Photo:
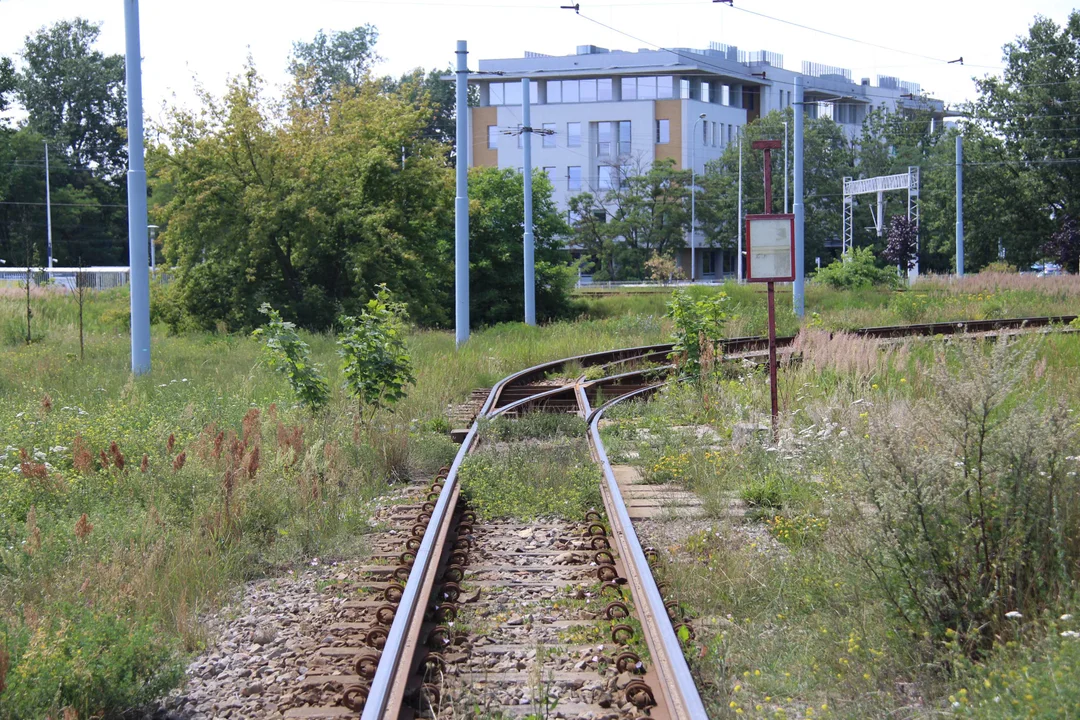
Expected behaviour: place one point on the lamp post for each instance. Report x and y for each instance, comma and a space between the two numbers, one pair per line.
693, 194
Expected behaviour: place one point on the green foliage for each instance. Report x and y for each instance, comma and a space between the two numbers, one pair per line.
699, 322
999, 266
975, 498
855, 271
335, 63
496, 216
290, 356
88, 660
537, 426
376, 363
527, 482
7, 81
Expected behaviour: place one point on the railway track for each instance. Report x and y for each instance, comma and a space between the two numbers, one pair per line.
529, 586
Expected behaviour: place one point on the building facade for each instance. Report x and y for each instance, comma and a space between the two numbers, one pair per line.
604, 112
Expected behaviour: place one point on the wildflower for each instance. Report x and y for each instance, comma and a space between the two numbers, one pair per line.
1070, 634
1013, 615
1066, 617
178, 463
83, 527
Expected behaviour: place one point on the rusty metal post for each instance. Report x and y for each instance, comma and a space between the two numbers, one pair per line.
768, 146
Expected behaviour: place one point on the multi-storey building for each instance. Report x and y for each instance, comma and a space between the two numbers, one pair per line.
607, 110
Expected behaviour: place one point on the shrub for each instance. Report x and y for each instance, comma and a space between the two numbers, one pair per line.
999, 266
289, 355
975, 498
698, 323
376, 361
88, 660
856, 270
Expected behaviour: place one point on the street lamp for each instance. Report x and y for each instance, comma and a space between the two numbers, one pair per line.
693, 194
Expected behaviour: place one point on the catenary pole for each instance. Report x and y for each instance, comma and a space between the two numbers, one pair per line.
48, 208
798, 288
959, 205
530, 267
739, 258
138, 260
786, 173
461, 202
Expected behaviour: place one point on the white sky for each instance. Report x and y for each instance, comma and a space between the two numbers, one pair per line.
209, 39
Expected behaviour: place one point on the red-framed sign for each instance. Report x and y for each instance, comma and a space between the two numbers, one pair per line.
770, 248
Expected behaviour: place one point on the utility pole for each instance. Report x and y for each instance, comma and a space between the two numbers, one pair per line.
138, 263
959, 205
798, 289
693, 195
48, 209
461, 202
530, 267
785, 167
739, 255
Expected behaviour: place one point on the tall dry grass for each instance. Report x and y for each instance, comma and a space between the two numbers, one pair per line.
984, 282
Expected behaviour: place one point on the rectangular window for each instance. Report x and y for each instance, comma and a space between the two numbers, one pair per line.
571, 91
715, 134
604, 131
549, 137
706, 91
707, 266
512, 93
495, 94
624, 137
493, 137
629, 88
588, 90
663, 132
551, 174
554, 91
665, 87
729, 134
607, 177
705, 133
603, 89
684, 89
573, 177
646, 88
573, 134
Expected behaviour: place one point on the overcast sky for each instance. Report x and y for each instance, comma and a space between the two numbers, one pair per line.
209, 39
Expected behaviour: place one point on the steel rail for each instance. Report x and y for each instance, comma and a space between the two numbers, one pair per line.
676, 682
388, 685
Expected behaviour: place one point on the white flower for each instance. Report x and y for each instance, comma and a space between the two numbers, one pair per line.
1066, 617
19, 415
57, 449
1013, 615
1070, 634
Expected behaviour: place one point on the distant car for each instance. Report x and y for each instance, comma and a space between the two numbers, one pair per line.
1045, 269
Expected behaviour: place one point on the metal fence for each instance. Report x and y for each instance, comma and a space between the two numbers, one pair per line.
98, 277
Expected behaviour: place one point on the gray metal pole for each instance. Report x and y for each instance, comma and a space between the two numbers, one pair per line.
959, 205
461, 202
798, 290
530, 267
48, 208
138, 262
693, 197
739, 258
786, 173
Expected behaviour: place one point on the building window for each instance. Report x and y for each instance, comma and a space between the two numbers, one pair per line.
554, 91
573, 134
603, 89
707, 262
509, 93
604, 131
629, 88
549, 137
573, 177
587, 89
663, 132
613, 137
665, 87
705, 132
684, 89
495, 94
646, 88
624, 137
706, 94
493, 137
600, 215
571, 91
550, 171
512, 93
607, 177
715, 134
729, 134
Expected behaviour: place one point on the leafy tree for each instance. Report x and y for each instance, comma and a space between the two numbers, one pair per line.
427, 89
902, 237
301, 207
649, 211
377, 365
496, 227
75, 95
663, 269
1063, 247
7, 81
289, 355
828, 158
330, 62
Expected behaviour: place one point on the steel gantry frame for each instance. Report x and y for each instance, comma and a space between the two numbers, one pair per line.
909, 181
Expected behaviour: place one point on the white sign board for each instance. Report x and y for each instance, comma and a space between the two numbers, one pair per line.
770, 248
